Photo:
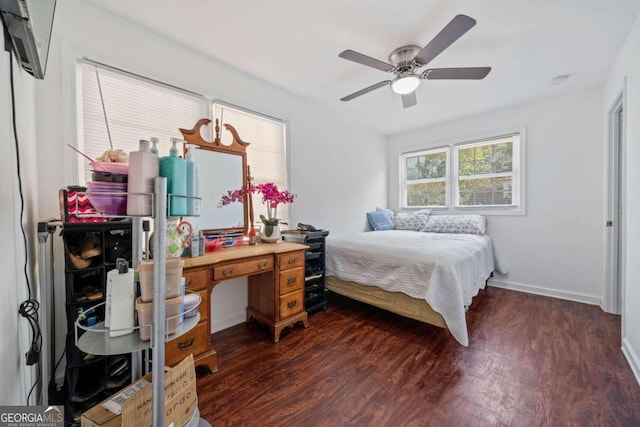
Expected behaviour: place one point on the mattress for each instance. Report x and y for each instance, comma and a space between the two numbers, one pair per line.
446, 270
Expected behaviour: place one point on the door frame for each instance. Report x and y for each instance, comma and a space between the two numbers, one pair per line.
615, 255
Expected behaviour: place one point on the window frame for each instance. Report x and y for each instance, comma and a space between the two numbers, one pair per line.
514, 174
403, 176
519, 173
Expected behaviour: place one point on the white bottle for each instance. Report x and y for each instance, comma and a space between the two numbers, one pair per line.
194, 247
143, 168
193, 184
120, 299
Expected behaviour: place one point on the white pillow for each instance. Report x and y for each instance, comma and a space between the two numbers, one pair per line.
415, 221
470, 224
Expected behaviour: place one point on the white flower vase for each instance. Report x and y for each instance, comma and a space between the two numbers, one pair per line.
271, 233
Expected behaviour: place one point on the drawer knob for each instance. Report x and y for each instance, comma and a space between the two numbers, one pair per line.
228, 272
189, 283
262, 265
292, 304
185, 344
291, 280
291, 261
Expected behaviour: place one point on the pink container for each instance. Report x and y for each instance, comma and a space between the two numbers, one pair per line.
145, 316
173, 278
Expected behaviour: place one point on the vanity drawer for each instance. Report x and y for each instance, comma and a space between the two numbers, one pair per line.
195, 341
291, 260
243, 268
291, 304
291, 280
195, 280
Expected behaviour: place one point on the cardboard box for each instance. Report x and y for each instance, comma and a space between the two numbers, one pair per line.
136, 404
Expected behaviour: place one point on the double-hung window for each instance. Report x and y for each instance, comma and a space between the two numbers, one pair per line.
486, 176
487, 173
425, 178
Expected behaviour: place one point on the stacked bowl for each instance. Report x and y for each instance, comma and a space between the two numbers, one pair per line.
108, 190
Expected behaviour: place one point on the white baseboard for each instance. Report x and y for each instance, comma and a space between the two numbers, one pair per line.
547, 292
632, 358
220, 324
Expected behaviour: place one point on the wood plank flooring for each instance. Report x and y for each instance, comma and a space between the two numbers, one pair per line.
532, 361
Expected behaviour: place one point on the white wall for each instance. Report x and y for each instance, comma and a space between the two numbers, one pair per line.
627, 67
337, 170
556, 248
16, 377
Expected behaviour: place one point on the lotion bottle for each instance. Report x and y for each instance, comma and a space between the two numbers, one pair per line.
174, 169
193, 185
143, 168
120, 299
154, 145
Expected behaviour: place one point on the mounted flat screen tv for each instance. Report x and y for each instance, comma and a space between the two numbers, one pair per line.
28, 25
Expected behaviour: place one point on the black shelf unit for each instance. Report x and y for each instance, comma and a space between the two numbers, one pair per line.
89, 379
315, 293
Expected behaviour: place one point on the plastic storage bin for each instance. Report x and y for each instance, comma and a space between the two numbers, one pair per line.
191, 304
145, 316
173, 278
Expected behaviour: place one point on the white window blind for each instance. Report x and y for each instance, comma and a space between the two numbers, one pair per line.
266, 154
136, 109
487, 172
425, 178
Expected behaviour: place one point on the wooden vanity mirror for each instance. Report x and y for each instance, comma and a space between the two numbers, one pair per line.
221, 168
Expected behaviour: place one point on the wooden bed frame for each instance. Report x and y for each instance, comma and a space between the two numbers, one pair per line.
395, 302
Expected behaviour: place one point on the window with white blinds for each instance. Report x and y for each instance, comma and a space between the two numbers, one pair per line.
487, 172
137, 108
266, 154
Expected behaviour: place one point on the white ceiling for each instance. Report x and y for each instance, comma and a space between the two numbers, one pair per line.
295, 45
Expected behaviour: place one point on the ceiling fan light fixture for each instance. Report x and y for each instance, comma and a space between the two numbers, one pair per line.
405, 84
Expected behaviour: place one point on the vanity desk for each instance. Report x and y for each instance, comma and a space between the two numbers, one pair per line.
276, 292
275, 270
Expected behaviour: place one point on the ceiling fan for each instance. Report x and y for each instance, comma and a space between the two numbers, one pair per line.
406, 60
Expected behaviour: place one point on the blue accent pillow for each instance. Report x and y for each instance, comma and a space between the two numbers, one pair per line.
380, 220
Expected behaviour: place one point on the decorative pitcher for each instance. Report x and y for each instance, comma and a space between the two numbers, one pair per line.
177, 235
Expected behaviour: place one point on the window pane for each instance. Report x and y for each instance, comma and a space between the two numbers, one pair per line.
485, 191
426, 166
485, 159
426, 194
266, 155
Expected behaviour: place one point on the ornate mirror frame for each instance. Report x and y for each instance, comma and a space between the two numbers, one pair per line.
238, 148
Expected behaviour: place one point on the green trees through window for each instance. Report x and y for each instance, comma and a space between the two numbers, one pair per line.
484, 173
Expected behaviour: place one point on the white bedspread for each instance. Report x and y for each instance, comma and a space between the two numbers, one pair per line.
446, 270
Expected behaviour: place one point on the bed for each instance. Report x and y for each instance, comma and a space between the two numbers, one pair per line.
430, 277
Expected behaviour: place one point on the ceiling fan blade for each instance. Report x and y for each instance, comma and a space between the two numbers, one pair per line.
354, 56
365, 90
445, 38
409, 99
469, 73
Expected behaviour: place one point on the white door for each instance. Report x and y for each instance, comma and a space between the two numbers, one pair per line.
615, 223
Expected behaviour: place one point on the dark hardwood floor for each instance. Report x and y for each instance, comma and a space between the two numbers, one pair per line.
532, 361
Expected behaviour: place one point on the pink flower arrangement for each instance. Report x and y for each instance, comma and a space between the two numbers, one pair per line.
271, 197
